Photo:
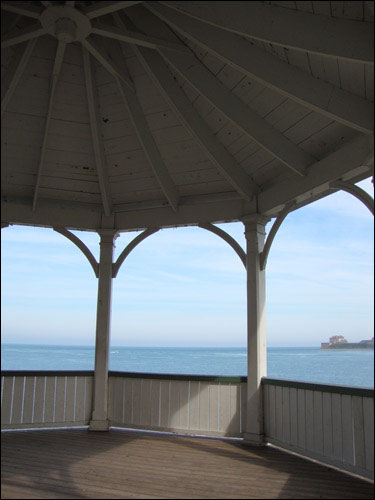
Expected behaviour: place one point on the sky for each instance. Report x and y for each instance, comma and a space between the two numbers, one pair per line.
187, 287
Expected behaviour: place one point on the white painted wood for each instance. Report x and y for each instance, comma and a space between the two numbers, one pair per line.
247, 120
269, 70
293, 416
356, 191
79, 243
214, 150
11, 81
144, 134
270, 23
334, 428
22, 35
271, 235
318, 422
99, 420
351, 155
93, 47
226, 237
124, 35
368, 417
103, 8
100, 160
256, 330
327, 424
23, 8
358, 432
54, 80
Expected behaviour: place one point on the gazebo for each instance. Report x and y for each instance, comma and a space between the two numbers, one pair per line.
136, 116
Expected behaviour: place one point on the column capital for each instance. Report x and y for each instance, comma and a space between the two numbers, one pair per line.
107, 236
255, 222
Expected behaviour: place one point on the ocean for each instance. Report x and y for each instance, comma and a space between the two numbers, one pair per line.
307, 364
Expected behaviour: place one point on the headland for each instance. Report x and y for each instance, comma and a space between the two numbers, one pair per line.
340, 342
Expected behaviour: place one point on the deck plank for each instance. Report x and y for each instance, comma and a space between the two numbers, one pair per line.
76, 463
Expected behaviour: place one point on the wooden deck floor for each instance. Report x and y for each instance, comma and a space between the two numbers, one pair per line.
81, 464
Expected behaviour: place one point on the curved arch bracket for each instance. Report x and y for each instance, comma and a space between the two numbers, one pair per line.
275, 227
356, 191
226, 237
116, 266
73, 238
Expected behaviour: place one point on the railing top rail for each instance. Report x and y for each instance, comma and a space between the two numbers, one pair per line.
47, 373
172, 376
311, 386
155, 376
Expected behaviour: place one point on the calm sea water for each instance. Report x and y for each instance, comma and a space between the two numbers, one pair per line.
309, 364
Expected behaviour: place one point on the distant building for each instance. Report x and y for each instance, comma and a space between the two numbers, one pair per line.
337, 339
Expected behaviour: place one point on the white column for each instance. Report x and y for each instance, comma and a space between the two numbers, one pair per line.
99, 421
256, 328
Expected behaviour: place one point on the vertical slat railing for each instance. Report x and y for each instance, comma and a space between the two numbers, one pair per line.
188, 404
333, 424
45, 399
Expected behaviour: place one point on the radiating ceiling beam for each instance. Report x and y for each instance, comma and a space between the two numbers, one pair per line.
103, 8
352, 156
201, 78
295, 29
100, 162
143, 131
103, 58
55, 76
23, 8
124, 35
22, 35
317, 95
211, 146
11, 81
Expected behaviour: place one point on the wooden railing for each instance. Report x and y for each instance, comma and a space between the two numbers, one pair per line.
188, 404
45, 399
332, 424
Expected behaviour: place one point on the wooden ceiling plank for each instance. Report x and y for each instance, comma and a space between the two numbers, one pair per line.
323, 97
212, 147
124, 35
143, 131
290, 28
55, 75
196, 74
12, 82
103, 58
24, 8
100, 161
104, 8
23, 35
356, 154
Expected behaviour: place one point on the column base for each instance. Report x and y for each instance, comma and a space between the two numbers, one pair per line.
99, 425
254, 439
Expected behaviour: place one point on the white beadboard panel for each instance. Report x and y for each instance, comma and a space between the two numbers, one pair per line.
196, 407
329, 426
352, 77
43, 401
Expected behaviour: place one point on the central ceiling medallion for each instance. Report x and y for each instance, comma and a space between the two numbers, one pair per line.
66, 23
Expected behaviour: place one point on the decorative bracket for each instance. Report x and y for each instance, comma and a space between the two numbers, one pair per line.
275, 227
72, 237
116, 266
356, 191
226, 237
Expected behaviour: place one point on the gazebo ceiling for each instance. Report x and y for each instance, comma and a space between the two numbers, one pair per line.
139, 114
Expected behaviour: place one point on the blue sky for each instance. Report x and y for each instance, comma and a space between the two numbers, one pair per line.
187, 287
